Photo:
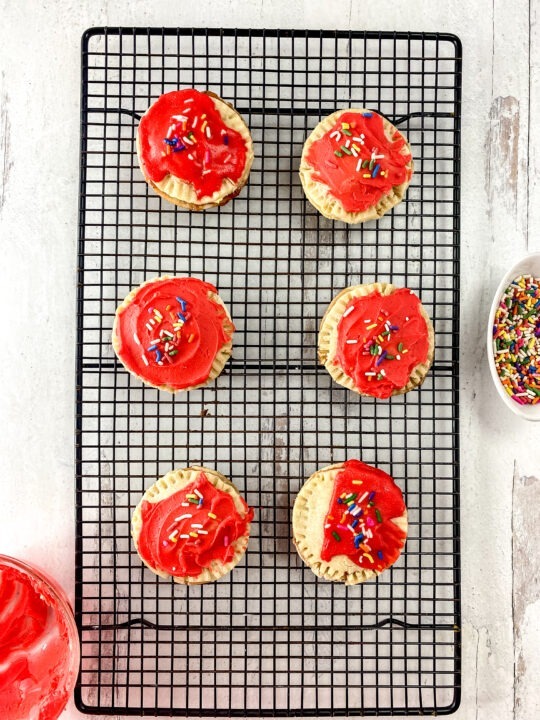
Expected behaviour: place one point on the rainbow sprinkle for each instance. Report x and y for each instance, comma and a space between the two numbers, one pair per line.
354, 521
375, 345
165, 340
179, 137
191, 530
354, 150
516, 340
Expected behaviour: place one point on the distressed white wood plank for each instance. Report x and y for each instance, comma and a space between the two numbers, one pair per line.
513, 177
6, 161
494, 233
533, 230
526, 594
507, 140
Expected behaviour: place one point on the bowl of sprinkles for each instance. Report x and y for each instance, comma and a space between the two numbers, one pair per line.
513, 338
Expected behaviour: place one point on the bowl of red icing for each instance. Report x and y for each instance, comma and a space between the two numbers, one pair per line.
39, 644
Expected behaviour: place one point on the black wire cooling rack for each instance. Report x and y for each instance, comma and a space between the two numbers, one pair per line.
269, 639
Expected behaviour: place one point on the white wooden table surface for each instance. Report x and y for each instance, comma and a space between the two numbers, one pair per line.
39, 135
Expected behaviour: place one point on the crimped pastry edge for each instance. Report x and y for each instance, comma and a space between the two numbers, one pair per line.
309, 511
328, 335
171, 483
224, 353
181, 193
318, 193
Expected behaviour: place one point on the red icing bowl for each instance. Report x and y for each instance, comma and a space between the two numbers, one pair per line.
39, 644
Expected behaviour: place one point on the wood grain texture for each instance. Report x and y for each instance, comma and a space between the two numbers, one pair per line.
39, 80
5, 146
533, 139
526, 594
502, 149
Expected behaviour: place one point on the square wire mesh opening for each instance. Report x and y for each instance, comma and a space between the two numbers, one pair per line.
269, 638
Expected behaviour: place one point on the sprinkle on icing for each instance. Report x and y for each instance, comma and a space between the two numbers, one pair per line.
183, 134
359, 522
171, 331
380, 356
186, 544
358, 162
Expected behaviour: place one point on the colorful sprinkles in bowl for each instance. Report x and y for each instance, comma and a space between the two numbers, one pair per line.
516, 340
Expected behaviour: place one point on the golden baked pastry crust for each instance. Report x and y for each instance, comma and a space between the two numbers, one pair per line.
309, 513
181, 193
171, 483
328, 336
220, 360
318, 193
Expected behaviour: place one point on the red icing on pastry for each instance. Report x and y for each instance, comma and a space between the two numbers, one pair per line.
362, 135
186, 532
381, 340
38, 647
364, 501
182, 134
171, 332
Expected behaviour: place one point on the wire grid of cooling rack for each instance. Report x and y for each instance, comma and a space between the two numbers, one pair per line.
270, 638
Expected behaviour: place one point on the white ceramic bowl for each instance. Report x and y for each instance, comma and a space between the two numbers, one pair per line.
529, 265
